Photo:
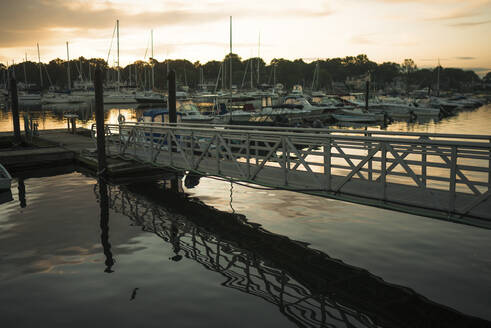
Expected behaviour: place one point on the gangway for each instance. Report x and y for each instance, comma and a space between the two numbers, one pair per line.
445, 176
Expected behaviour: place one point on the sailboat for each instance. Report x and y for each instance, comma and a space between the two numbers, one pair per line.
118, 96
63, 98
151, 97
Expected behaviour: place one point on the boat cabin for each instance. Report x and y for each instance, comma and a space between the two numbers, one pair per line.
158, 116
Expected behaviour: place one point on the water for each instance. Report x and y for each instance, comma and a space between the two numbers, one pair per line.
51, 117
159, 259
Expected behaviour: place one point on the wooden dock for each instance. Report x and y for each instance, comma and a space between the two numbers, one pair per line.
60, 147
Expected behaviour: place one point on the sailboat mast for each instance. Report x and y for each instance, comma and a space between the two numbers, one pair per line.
258, 57
153, 73
117, 30
230, 53
40, 68
68, 67
274, 77
25, 73
223, 75
438, 79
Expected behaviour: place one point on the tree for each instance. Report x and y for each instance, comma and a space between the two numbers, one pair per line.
408, 66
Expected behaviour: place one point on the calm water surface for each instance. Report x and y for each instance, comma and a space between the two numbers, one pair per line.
154, 260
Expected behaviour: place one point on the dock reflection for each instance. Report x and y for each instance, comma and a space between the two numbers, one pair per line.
104, 223
308, 287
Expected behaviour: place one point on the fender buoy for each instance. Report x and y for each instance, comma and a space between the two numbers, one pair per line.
121, 119
412, 116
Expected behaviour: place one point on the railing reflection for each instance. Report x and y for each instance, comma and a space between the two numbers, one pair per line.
309, 288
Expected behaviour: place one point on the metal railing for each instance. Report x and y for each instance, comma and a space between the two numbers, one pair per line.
441, 175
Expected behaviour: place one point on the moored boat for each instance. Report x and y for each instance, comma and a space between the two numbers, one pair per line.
5, 178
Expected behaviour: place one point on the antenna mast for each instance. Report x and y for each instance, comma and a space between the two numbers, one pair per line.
68, 67
40, 68
153, 73
230, 54
258, 57
117, 30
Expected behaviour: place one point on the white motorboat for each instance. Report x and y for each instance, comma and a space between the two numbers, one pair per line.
356, 115
119, 98
190, 113
5, 178
53, 98
29, 98
151, 98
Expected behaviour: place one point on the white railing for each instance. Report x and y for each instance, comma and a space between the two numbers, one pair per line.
442, 175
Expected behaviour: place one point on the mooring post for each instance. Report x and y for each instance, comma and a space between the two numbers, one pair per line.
99, 118
171, 99
367, 90
15, 110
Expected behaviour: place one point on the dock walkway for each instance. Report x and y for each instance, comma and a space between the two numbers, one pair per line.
437, 175
59, 147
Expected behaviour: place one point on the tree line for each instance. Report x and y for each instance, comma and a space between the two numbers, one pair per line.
320, 74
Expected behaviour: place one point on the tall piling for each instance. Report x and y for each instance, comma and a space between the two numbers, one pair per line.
171, 99
15, 110
367, 93
99, 118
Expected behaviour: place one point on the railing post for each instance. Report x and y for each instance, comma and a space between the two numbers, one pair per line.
327, 164
120, 138
423, 162
169, 145
489, 168
151, 144
370, 161
192, 149
383, 170
248, 156
217, 141
453, 171
285, 169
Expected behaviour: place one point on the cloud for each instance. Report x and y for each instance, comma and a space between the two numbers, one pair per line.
463, 9
465, 58
50, 20
363, 39
468, 24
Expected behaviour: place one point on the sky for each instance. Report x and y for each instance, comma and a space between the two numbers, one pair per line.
456, 32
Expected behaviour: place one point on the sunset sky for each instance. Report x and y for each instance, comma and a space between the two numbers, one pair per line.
458, 32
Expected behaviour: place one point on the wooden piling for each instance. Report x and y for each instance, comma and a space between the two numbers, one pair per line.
367, 92
15, 110
171, 99
99, 118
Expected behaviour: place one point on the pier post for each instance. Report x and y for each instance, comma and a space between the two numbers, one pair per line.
99, 118
367, 91
171, 99
15, 110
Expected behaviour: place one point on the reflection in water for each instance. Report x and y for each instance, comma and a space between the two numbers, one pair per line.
308, 287
231, 196
51, 117
104, 223
133, 294
21, 187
